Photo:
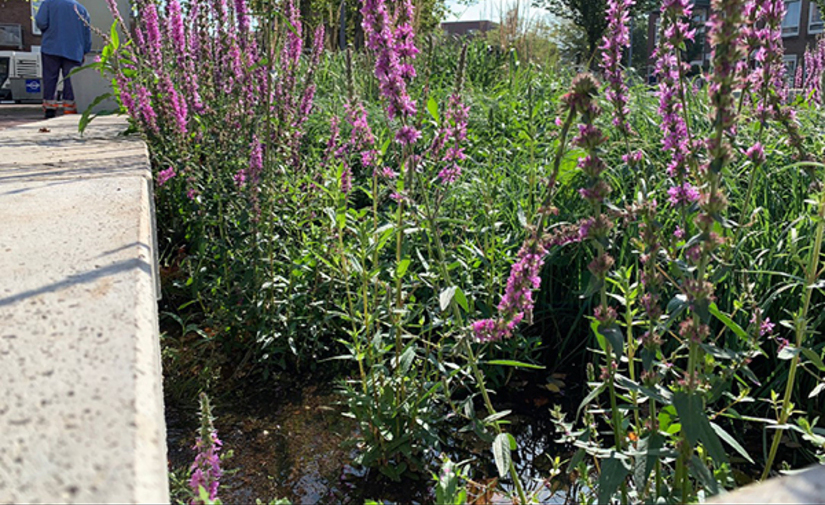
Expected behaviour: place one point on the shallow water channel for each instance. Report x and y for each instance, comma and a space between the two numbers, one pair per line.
297, 449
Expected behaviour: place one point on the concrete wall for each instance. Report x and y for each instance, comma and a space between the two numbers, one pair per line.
102, 19
81, 404
804, 487
88, 84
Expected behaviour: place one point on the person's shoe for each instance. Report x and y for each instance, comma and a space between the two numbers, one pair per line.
49, 109
69, 108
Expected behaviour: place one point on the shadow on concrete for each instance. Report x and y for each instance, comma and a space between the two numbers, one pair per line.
123, 248
111, 166
73, 280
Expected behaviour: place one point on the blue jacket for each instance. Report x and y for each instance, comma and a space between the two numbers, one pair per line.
64, 33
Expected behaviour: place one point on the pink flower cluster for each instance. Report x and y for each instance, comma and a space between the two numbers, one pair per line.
670, 70
447, 143
206, 470
395, 52
616, 38
517, 303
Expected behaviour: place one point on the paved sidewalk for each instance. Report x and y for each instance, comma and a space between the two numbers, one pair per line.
12, 114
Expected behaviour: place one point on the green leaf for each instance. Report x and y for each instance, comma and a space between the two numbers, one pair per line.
87, 115
522, 217
676, 305
696, 427
814, 357
662, 396
610, 335
513, 363
406, 359
495, 417
446, 297
502, 446
589, 398
402, 267
703, 475
724, 435
614, 336
818, 389
432, 108
654, 443
115, 40
727, 321
612, 475
788, 352
461, 299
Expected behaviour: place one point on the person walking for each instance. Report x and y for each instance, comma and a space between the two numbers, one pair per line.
67, 37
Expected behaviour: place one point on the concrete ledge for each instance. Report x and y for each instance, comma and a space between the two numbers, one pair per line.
803, 487
81, 405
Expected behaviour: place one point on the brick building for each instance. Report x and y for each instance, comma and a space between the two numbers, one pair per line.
16, 32
800, 29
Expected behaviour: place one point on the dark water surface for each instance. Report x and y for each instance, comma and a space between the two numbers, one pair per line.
297, 447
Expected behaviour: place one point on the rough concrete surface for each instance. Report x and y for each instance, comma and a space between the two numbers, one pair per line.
803, 487
12, 114
81, 406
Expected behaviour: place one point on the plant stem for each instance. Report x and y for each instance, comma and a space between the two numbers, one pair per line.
467, 344
801, 326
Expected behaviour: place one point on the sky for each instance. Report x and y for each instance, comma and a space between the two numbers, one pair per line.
487, 10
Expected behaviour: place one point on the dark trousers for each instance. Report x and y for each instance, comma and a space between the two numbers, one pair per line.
52, 66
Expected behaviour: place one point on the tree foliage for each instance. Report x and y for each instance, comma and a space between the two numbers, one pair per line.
589, 16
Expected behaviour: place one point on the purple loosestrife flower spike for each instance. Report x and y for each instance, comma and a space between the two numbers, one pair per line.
220, 12
382, 39
361, 140
178, 106
147, 112
191, 82
517, 303
252, 173
346, 179
112, 4
670, 71
242, 16
332, 142
206, 469
725, 35
407, 135
290, 57
768, 78
756, 153
175, 29
151, 35
124, 85
256, 159
453, 130
616, 38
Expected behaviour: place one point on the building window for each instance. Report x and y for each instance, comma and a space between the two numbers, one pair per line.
815, 24
790, 24
790, 66
11, 36
657, 27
